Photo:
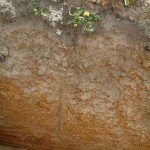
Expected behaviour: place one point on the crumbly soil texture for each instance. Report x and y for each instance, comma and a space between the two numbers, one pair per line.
64, 89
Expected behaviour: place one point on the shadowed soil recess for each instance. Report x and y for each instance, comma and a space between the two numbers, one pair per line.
64, 89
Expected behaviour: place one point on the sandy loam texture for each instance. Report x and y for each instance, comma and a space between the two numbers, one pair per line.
63, 89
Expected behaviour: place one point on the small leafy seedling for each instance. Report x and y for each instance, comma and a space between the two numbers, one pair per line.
44, 13
129, 2
84, 18
37, 10
126, 2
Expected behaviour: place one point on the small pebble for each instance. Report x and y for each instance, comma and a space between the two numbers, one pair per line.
2, 58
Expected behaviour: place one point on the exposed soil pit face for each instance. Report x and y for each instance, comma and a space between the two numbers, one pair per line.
74, 91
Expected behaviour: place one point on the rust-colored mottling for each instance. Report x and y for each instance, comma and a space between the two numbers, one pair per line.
86, 128
25, 124
91, 95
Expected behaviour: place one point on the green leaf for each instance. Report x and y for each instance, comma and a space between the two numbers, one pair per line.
79, 8
89, 29
80, 23
35, 9
126, 2
89, 24
70, 22
75, 25
44, 13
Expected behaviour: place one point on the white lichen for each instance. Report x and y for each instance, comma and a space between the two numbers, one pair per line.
55, 15
58, 32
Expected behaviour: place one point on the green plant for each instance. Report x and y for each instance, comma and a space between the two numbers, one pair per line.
84, 18
126, 2
129, 2
44, 13
37, 10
